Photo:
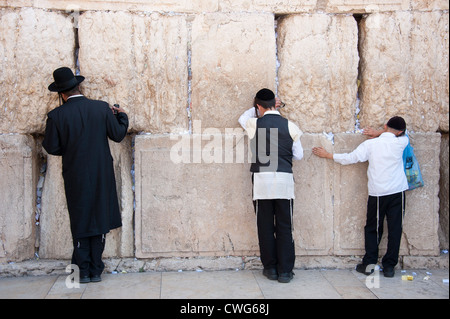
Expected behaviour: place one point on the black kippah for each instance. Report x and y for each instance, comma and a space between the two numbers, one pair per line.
397, 123
265, 95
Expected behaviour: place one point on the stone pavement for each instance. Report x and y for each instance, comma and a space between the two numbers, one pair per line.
239, 284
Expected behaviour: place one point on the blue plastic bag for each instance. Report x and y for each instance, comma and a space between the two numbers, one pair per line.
412, 169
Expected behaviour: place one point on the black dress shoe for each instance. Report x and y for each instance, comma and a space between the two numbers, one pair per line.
85, 280
285, 277
96, 278
361, 268
388, 272
271, 273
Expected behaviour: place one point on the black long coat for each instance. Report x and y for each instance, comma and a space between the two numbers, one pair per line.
78, 131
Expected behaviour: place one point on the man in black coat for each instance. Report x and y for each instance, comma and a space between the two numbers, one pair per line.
78, 131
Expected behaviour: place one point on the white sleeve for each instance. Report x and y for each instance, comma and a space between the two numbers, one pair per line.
297, 149
360, 154
250, 113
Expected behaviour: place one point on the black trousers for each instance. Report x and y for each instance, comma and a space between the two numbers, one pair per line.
87, 255
276, 244
391, 207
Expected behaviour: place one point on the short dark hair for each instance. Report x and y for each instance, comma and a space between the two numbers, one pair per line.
265, 104
72, 91
265, 98
397, 123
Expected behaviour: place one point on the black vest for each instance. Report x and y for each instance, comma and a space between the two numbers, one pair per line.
272, 145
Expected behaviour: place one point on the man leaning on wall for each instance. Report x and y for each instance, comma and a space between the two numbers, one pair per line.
275, 142
387, 184
78, 130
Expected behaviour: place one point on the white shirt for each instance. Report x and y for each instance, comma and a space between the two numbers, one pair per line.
385, 173
76, 95
273, 185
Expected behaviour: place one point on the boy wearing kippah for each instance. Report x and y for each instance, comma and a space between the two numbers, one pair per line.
387, 184
275, 142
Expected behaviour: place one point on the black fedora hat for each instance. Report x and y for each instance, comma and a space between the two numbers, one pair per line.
64, 80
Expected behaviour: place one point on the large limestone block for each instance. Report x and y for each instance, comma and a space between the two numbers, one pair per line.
233, 56
429, 5
350, 198
33, 43
404, 67
318, 56
17, 197
275, 6
313, 204
55, 236
421, 222
444, 193
328, 6
139, 61
123, 5
364, 6
188, 207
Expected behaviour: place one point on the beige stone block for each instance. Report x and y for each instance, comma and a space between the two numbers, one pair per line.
33, 43
421, 222
191, 207
233, 56
17, 197
350, 198
123, 5
364, 6
313, 204
444, 193
318, 57
429, 5
329, 6
274, 6
139, 61
404, 67
56, 238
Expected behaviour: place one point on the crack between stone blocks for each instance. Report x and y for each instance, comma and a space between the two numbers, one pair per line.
189, 70
277, 61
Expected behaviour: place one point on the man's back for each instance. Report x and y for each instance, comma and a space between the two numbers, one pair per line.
78, 131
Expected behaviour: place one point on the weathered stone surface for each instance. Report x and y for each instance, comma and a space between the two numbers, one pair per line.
444, 193
318, 56
17, 197
33, 43
364, 6
350, 198
201, 205
404, 67
192, 208
55, 238
233, 56
123, 5
329, 6
276, 6
140, 62
313, 205
421, 222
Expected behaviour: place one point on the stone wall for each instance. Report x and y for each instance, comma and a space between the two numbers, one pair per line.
184, 71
